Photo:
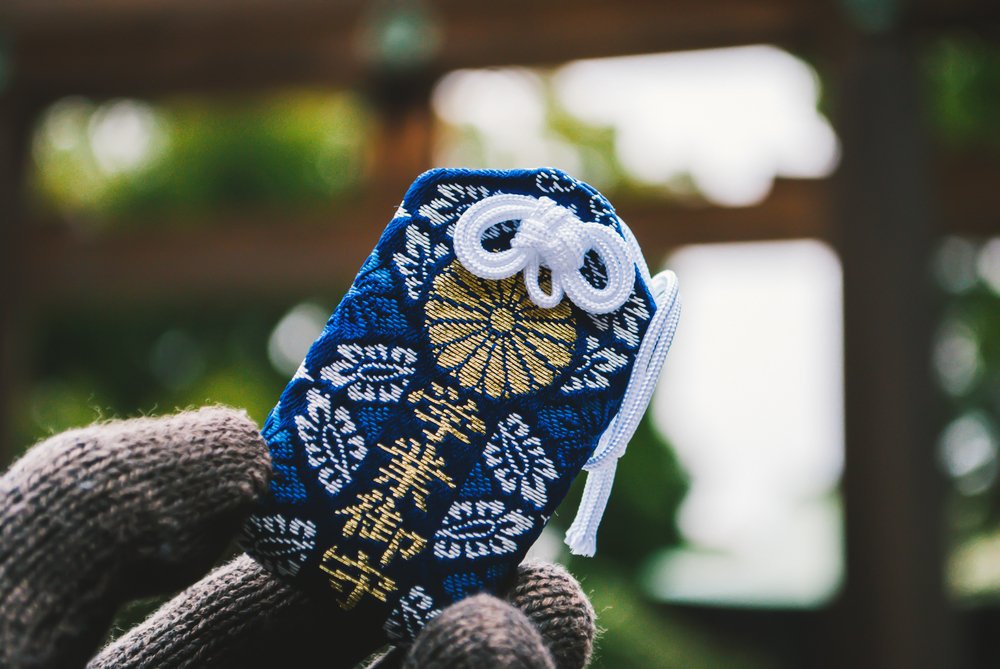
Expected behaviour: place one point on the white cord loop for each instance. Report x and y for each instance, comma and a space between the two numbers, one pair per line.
549, 235
582, 534
552, 235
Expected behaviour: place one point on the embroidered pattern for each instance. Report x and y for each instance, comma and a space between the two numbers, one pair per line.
302, 372
332, 444
414, 466
414, 264
624, 323
375, 517
441, 408
285, 485
281, 544
497, 237
475, 529
492, 338
414, 610
601, 211
451, 201
353, 578
369, 309
377, 373
370, 313
597, 365
518, 461
553, 181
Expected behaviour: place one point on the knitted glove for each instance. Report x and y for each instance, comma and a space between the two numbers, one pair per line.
92, 518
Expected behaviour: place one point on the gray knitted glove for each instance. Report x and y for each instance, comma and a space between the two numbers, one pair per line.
92, 518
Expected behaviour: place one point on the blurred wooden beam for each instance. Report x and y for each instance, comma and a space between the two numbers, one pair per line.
981, 16
261, 254
17, 113
155, 47
793, 210
967, 190
272, 253
152, 47
278, 254
895, 612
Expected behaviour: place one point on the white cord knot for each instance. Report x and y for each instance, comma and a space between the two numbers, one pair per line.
549, 235
554, 237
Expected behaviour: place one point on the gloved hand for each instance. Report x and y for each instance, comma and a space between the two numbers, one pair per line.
94, 517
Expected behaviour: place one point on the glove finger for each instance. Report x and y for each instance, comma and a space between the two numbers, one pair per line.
93, 517
480, 631
237, 616
554, 601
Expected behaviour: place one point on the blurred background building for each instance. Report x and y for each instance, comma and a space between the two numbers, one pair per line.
187, 188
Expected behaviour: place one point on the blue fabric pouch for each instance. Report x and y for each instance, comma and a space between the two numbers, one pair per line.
504, 334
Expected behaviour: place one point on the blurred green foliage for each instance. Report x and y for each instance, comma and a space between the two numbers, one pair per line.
639, 519
963, 83
962, 77
125, 160
102, 363
967, 361
639, 523
640, 634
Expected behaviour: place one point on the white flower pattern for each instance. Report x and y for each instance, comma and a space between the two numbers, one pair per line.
414, 263
332, 444
597, 365
451, 201
302, 372
624, 323
550, 181
518, 461
375, 373
475, 529
601, 212
282, 544
415, 609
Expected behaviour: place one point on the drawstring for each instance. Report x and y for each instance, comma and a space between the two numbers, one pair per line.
582, 534
554, 236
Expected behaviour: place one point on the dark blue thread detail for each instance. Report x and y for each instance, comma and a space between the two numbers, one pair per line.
285, 484
459, 586
372, 419
497, 574
477, 485
369, 308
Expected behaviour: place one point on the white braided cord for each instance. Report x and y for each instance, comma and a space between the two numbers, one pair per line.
553, 236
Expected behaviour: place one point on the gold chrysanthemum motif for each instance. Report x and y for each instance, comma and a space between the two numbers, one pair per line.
491, 337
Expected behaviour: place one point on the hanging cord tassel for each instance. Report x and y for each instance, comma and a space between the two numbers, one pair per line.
582, 534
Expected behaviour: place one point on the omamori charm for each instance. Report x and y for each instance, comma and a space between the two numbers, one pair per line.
504, 334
